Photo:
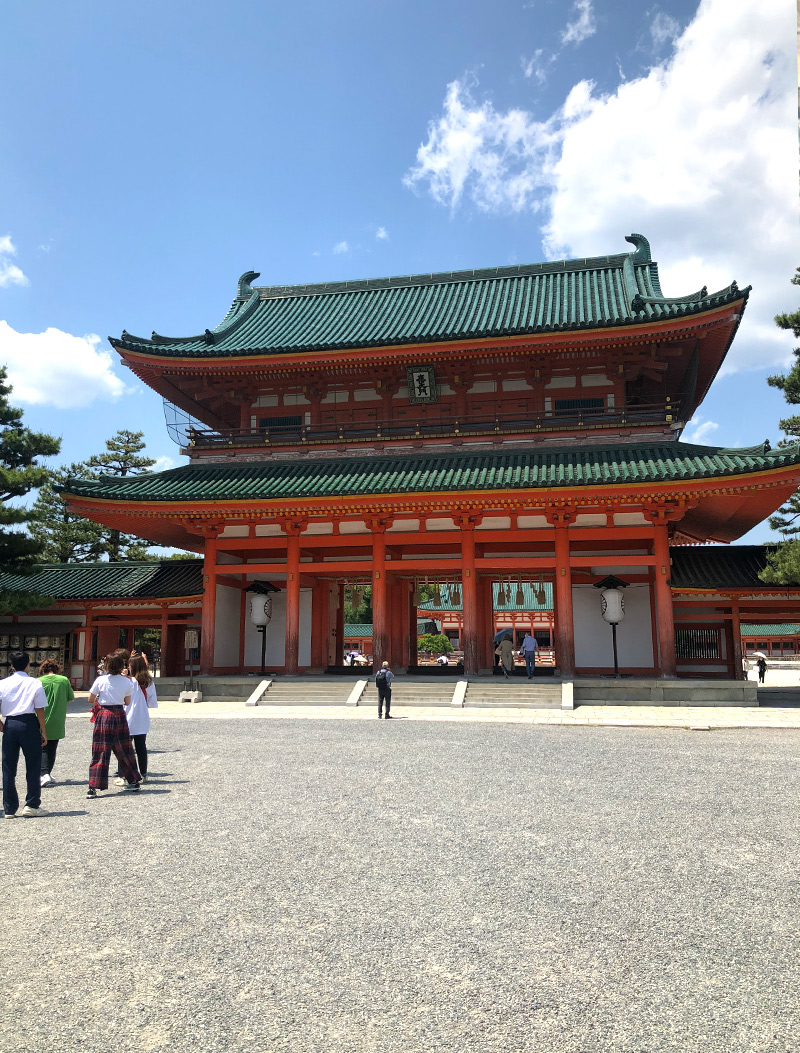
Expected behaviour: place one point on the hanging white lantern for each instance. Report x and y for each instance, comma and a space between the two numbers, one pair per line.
612, 604
260, 609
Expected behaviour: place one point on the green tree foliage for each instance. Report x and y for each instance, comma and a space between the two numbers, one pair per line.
358, 605
787, 518
123, 456
65, 537
20, 473
435, 643
68, 538
783, 564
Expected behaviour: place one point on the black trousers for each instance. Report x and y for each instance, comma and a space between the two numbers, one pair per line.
384, 696
49, 755
22, 733
140, 745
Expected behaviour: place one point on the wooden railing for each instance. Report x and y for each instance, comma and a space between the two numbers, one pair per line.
427, 426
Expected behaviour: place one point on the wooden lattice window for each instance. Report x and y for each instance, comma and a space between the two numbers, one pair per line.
697, 643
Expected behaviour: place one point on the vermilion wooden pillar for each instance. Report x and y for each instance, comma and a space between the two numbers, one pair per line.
736, 629
469, 596
292, 596
565, 632
164, 669
486, 623
208, 613
380, 615
666, 623
319, 625
339, 643
411, 620
397, 623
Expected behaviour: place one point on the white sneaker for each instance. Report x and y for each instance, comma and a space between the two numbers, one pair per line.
119, 781
47, 780
32, 813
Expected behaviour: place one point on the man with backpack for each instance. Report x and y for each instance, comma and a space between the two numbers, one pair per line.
383, 682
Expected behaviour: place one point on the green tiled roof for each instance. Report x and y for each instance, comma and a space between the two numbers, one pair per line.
529, 601
128, 581
358, 629
424, 308
782, 629
718, 567
429, 472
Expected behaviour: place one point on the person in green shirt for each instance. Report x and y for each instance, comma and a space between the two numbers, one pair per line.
58, 692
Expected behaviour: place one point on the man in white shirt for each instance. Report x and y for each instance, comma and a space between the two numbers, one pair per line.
22, 706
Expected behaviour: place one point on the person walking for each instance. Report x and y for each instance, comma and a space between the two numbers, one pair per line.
506, 650
22, 706
383, 681
58, 692
143, 699
762, 669
529, 648
108, 696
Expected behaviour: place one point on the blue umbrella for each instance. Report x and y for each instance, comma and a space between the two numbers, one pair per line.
504, 634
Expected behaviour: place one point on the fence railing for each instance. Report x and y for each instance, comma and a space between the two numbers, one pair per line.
191, 434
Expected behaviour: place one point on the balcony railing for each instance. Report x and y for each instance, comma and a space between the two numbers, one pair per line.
192, 434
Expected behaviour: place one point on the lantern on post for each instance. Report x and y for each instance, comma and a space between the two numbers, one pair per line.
612, 607
261, 613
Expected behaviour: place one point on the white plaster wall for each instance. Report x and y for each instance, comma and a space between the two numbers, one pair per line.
276, 633
593, 635
226, 627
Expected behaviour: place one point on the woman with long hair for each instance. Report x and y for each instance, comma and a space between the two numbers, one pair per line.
108, 696
143, 699
58, 692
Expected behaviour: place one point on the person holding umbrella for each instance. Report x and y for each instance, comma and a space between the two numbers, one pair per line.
505, 651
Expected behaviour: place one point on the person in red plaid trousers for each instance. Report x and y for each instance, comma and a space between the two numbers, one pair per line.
108, 696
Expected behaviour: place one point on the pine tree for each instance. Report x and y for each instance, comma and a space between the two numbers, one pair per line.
65, 536
787, 518
19, 474
123, 456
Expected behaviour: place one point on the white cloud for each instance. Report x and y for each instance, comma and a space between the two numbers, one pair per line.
582, 26
163, 464
536, 65
699, 155
340, 247
382, 234
54, 368
699, 430
664, 29
10, 274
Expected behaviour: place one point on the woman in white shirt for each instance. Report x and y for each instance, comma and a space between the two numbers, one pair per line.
143, 699
108, 696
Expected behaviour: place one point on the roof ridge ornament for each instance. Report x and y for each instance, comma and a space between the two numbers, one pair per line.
244, 289
642, 254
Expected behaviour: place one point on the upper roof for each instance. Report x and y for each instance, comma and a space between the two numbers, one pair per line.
156, 579
430, 472
425, 308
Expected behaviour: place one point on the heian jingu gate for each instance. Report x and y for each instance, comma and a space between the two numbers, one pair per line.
515, 424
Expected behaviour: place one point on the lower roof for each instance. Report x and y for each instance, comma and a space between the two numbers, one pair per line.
424, 472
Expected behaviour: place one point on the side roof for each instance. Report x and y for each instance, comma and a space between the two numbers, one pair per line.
158, 579
425, 308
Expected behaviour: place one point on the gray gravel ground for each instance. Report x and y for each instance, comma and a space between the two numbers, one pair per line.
322, 885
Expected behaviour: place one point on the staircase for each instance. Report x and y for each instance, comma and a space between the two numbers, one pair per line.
407, 691
514, 694
316, 691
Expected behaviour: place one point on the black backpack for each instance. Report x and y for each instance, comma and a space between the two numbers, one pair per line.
380, 676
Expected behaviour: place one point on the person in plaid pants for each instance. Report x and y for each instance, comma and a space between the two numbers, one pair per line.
107, 697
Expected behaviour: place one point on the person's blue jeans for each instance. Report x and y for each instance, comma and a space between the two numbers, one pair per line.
530, 662
22, 733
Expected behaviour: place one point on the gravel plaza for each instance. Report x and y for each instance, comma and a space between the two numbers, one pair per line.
447, 885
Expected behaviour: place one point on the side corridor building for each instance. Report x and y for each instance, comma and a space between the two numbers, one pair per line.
476, 430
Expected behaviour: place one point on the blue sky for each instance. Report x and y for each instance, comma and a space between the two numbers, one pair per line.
152, 152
